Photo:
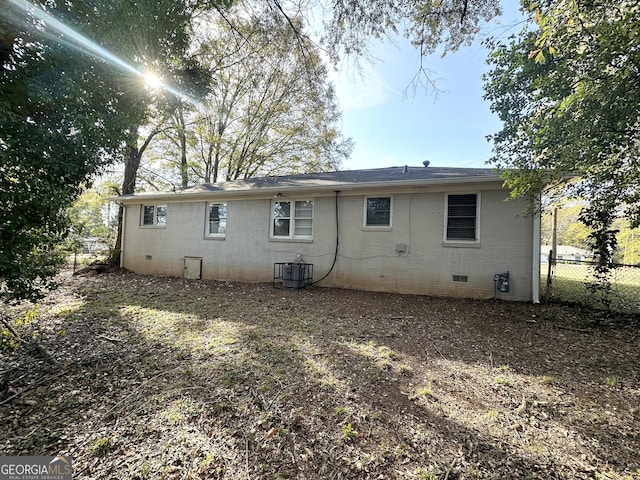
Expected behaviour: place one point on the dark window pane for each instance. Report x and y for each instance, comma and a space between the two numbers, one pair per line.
462, 210
461, 229
467, 199
147, 216
217, 219
281, 227
378, 211
282, 209
461, 217
214, 214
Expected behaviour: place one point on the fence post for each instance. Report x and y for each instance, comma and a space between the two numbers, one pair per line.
547, 294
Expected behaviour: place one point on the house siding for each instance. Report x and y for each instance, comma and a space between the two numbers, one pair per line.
429, 265
367, 258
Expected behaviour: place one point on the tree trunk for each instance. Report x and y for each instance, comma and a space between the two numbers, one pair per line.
184, 171
133, 156
216, 165
208, 165
182, 138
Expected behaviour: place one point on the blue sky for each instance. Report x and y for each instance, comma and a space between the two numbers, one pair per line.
393, 126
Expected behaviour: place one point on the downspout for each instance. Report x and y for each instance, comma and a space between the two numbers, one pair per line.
124, 227
535, 271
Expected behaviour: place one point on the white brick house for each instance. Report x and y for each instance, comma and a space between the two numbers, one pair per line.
417, 230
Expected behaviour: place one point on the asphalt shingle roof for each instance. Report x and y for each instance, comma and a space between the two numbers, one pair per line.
374, 176
341, 179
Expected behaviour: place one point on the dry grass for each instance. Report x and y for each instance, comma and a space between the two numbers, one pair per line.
163, 378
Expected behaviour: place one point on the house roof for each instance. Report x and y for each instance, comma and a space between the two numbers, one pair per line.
332, 181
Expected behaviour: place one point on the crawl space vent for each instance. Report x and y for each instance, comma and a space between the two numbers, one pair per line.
460, 278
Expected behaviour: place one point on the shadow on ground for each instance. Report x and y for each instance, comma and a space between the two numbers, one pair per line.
164, 378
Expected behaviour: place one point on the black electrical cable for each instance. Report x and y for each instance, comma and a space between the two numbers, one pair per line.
335, 255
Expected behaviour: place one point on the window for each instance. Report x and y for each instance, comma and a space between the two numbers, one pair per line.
462, 214
216, 224
292, 219
154, 215
377, 212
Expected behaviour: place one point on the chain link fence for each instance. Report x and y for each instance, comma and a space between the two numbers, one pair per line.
81, 259
569, 281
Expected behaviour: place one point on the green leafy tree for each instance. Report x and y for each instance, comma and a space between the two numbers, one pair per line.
59, 126
565, 91
87, 215
430, 25
270, 110
569, 229
628, 244
72, 103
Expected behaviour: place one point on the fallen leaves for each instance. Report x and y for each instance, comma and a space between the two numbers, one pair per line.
157, 377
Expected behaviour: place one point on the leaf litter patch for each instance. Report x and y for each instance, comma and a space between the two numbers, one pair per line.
148, 377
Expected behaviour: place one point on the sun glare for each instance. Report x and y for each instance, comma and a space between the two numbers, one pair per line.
152, 81
57, 30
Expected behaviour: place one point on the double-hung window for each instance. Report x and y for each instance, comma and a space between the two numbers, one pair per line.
377, 212
154, 215
462, 217
216, 224
292, 219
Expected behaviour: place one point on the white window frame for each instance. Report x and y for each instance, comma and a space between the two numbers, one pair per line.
292, 218
462, 241
155, 222
207, 220
365, 212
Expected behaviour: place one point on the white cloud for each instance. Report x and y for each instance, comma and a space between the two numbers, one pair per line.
362, 87
358, 90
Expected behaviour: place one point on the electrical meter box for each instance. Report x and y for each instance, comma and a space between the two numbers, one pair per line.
501, 281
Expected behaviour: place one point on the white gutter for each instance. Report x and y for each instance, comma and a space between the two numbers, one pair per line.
124, 226
535, 271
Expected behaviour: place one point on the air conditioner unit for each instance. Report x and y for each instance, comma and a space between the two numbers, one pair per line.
293, 275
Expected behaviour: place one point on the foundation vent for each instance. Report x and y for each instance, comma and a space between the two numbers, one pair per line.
460, 278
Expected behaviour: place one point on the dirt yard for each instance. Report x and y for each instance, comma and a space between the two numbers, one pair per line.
139, 378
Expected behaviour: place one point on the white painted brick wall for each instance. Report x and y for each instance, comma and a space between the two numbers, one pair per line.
367, 259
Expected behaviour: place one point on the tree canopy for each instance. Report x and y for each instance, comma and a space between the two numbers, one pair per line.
68, 105
270, 109
566, 91
430, 25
